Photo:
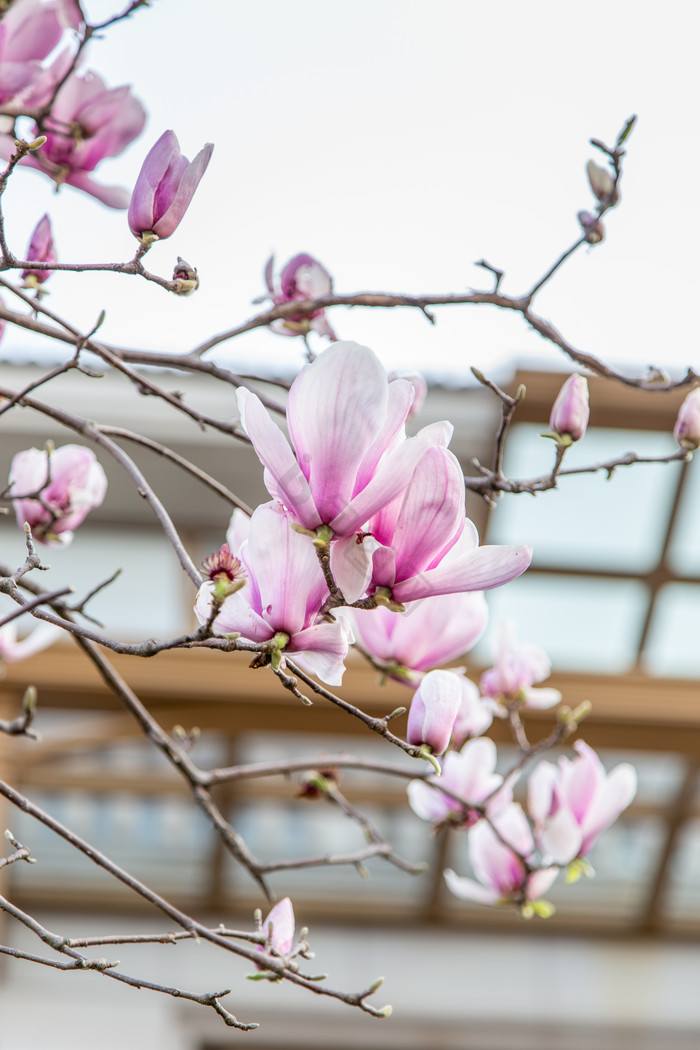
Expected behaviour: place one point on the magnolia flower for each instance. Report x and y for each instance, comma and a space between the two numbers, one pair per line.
345, 423
500, 861
433, 710
475, 714
29, 32
573, 802
687, 428
468, 774
570, 412
281, 598
54, 492
432, 632
13, 650
516, 669
165, 186
279, 929
301, 279
353, 461
41, 249
87, 123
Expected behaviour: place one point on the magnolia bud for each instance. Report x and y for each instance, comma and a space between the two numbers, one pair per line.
570, 411
602, 184
434, 708
185, 278
592, 227
687, 428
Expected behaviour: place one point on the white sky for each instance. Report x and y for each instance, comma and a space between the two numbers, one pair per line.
399, 141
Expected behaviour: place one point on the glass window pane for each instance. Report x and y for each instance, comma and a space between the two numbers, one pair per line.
584, 623
151, 597
684, 552
672, 647
589, 521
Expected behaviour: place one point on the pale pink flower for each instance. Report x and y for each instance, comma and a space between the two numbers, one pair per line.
516, 668
41, 249
687, 428
433, 710
501, 862
346, 425
279, 929
475, 714
573, 802
283, 595
470, 775
165, 187
55, 493
301, 279
88, 122
570, 412
12, 649
432, 632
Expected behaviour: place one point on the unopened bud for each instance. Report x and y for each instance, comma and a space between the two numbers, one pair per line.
185, 278
592, 227
570, 411
602, 184
687, 428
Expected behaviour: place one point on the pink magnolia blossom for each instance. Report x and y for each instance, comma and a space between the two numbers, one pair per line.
502, 870
165, 187
12, 649
279, 929
68, 483
29, 32
433, 710
432, 632
425, 544
41, 249
570, 412
573, 802
516, 668
687, 428
468, 774
282, 597
346, 424
88, 122
302, 278
475, 714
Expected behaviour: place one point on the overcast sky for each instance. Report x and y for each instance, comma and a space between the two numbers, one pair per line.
399, 141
